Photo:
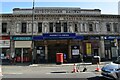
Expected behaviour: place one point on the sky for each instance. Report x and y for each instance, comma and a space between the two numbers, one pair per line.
106, 6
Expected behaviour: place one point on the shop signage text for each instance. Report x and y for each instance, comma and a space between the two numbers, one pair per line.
22, 38
112, 37
59, 35
5, 43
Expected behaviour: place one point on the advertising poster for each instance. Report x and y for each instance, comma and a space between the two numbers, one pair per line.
75, 52
88, 48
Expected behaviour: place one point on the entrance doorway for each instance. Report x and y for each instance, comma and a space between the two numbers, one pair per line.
57, 48
95, 51
108, 55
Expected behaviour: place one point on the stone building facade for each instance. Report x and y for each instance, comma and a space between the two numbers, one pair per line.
74, 32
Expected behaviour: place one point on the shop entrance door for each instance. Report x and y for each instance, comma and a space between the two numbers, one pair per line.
108, 54
56, 48
40, 57
95, 52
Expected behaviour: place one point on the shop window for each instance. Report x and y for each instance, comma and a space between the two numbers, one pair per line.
18, 52
24, 28
65, 27
51, 27
25, 52
5, 53
4, 27
39, 27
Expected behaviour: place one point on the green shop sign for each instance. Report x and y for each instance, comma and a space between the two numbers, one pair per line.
22, 38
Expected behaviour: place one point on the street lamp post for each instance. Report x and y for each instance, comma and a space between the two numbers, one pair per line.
11, 45
32, 32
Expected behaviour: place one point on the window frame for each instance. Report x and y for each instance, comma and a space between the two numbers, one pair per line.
4, 27
24, 28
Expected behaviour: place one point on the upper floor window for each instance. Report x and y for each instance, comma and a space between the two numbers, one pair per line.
4, 27
51, 27
108, 27
65, 27
115, 26
83, 26
58, 27
76, 28
39, 27
24, 27
90, 27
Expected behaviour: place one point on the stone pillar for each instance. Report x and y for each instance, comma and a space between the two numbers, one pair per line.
103, 27
30, 28
62, 26
35, 27
112, 28
54, 27
81, 27
18, 27
102, 48
85, 27
70, 56
22, 56
12, 47
97, 27
46, 52
68, 27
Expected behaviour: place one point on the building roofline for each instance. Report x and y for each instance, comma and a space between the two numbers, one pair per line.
77, 8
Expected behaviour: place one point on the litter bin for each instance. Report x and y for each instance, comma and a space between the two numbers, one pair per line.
59, 58
96, 60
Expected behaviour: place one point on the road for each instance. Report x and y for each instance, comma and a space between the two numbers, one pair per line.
50, 72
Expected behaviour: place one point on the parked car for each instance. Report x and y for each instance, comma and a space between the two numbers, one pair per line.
112, 70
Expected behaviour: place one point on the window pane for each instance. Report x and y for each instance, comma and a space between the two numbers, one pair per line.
58, 27
24, 27
65, 27
115, 25
39, 27
108, 27
76, 29
90, 27
4, 27
51, 27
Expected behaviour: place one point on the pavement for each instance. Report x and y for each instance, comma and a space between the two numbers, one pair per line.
50, 70
54, 64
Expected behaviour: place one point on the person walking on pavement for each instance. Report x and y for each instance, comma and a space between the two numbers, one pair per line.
13, 58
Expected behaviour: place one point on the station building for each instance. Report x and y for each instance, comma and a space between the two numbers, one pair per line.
75, 32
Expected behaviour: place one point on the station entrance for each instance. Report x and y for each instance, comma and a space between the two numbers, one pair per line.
57, 48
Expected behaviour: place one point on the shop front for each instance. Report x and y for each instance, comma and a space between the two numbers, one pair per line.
53, 43
5, 47
91, 47
22, 50
111, 47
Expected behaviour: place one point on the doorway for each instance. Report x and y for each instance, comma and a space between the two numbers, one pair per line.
108, 55
56, 48
96, 52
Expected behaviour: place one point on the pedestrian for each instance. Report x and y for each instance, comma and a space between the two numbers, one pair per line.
13, 58
81, 57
